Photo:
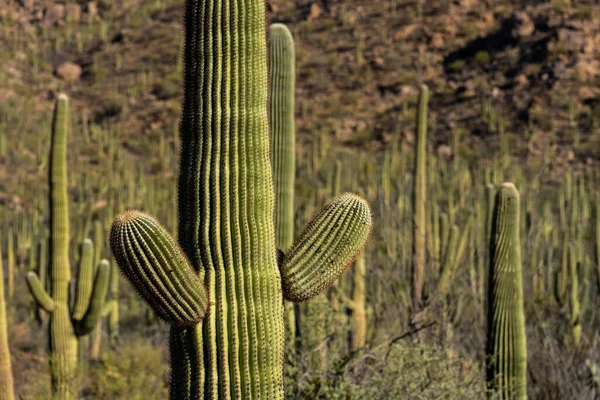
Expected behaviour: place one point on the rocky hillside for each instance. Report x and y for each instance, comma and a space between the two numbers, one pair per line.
529, 69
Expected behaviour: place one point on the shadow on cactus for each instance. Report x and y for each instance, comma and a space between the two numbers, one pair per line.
223, 290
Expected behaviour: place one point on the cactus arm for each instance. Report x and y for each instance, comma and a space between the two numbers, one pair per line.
158, 270
326, 247
107, 308
38, 292
85, 279
93, 313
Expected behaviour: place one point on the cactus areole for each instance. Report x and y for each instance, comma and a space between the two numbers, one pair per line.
226, 316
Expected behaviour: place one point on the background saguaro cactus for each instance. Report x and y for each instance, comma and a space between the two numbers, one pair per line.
506, 340
281, 117
226, 229
6, 377
419, 199
64, 327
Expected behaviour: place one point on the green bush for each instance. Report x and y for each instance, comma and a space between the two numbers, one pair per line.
134, 371
407, 371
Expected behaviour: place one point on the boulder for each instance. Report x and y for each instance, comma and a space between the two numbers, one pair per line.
68, 71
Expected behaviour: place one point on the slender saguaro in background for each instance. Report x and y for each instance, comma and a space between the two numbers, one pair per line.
419, 198
228, 258
506, 342
281, 116
65, 328
6, 377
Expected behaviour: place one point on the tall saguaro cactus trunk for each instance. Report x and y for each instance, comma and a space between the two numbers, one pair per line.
281, 115
64, 328
506, 340
6, 377
234, 348
226, 203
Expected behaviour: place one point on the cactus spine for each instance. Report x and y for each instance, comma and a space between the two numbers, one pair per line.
226, 229
506, 341
281, 117
6, 378
419, 199
64, 328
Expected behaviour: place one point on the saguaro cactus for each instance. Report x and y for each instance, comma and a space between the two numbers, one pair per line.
6, 377
10, 279
506, 341
64, 327
281, 116
226, 230
419, 198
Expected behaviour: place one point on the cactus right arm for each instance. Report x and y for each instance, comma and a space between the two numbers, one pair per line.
95, 304
85, 279
39, 293
326, 247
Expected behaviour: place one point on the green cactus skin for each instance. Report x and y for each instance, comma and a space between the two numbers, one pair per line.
419, 199
333, 238
506, 340
358, 318
453, 255
6, 377
282, 81
113, 301
64, 328
168, 285
42, 266
96, 335
85, 280
226, 208
10, 279
281, 116
575, 305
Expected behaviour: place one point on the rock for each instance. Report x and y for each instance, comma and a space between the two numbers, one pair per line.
437, 41
27, 4
572, 40
523, 26
73, 12
55, 15
444, 151
272, 6
521, 80
68, 71
315, 12
92, 9
586, 70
